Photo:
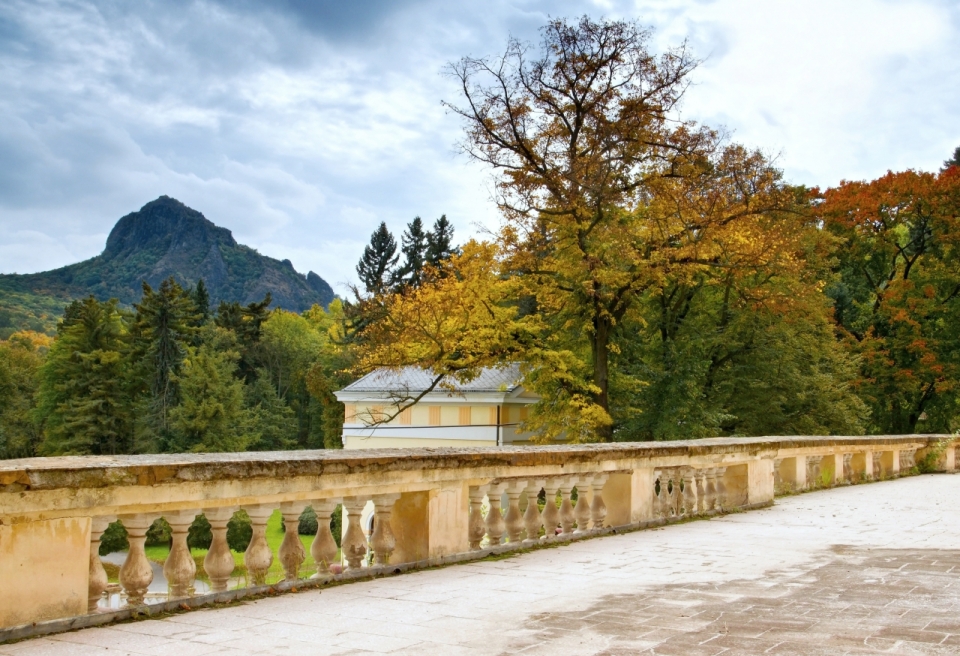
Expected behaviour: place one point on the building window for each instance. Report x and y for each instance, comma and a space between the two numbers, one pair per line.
434, 415
465, 419
377, 414
406, 416
493, 415
350, 413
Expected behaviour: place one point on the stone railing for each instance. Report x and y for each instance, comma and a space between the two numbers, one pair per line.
401, 508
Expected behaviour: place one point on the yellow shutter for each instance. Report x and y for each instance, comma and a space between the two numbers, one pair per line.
406, 416
434, 415
493, 415
523, 413
465, 419
350, 413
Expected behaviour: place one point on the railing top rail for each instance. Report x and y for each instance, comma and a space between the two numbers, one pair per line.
99, 471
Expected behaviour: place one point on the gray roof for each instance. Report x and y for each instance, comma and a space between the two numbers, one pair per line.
414, 379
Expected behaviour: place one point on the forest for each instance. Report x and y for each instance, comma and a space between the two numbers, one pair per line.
654, 279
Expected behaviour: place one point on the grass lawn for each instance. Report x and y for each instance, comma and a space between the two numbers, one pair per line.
274, 538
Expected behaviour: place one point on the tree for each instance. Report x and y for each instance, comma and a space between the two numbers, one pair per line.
414, 247
246, 322
21, 356
379, 258
604, 193
898, 294
440, 243
201, 299
82, 402
289, 347
211, 415
953, 161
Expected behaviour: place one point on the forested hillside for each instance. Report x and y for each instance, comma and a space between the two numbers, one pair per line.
164, 239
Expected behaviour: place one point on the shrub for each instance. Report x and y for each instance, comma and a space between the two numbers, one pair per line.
114, 539
239, 531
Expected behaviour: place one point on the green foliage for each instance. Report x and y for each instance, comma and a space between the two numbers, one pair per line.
239, 531
440, 247
379, 258
165, 325
23, 310
414, 248
200, 533
21, 357
81, 397
159, 532
211, 415
114, 539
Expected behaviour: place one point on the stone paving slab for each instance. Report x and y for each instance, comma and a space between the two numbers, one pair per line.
857, 570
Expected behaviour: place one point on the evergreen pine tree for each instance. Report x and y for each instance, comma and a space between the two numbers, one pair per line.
379, 258
440, 242
165, 324
246, 322
211, 416
953, 161
414, 248
201, 298
81, 399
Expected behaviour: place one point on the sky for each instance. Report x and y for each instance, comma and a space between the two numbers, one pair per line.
301, 124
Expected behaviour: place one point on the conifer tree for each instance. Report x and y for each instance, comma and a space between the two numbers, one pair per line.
414, 247
375, 268
953, 161
440, 242
211, 416
81, 400
246, 322
201, 298
165, 324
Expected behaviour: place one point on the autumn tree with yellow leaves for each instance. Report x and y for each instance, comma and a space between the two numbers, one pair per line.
607, 200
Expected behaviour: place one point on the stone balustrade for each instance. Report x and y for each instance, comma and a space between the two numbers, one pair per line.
401, 508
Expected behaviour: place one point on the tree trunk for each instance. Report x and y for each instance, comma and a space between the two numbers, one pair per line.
601, 371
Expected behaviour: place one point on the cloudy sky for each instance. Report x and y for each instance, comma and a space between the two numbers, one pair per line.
301, 124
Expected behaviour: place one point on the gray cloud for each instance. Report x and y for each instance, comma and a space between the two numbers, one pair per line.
300, 125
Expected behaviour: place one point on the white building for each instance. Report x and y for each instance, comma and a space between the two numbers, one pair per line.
483, 412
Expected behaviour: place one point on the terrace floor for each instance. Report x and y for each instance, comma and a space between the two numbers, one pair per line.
854, 570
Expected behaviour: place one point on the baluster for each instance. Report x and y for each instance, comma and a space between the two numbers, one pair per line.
218, 563
721, 489
531, 516
136, 574
777, 479
689, 493
877, 464
701, 486
291, 552
383, 541
675, 497
813, 471
98, 576
567, 518
513, 519
180, 569
353, 545
598, 509
550, 514
582, 510
848, 467
710, 490
477, 528
495, 523
258, 556
324, 547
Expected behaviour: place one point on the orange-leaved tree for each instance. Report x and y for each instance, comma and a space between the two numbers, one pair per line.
898, 295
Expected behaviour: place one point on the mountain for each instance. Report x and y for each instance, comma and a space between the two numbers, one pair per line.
165, 238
